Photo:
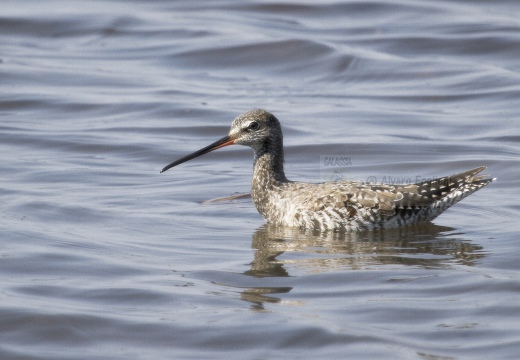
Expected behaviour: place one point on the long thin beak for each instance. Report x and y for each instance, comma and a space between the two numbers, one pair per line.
225, 141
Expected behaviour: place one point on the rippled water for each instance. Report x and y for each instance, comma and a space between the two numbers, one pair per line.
102, 257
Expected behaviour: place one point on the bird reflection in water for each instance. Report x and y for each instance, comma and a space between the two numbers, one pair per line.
426, 246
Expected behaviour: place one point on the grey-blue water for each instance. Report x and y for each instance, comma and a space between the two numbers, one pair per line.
102, 257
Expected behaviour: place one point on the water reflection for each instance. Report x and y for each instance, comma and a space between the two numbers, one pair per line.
258, 296
276, 249
428, 246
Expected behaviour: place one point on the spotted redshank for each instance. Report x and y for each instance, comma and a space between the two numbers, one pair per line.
339, 205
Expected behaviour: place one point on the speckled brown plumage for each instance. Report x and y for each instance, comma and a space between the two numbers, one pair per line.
340, 205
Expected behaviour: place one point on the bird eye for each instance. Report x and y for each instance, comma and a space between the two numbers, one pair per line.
253, 125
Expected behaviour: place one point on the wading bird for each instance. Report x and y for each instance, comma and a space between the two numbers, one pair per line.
338, 205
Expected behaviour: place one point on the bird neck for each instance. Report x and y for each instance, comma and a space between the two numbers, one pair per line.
267, 176
268, 169
268, 164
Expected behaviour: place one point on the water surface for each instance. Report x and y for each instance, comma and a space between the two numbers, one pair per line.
102, 257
